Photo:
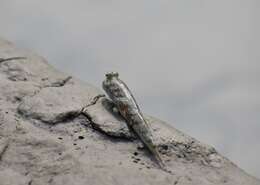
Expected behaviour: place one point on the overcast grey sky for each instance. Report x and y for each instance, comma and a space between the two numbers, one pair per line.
192, 63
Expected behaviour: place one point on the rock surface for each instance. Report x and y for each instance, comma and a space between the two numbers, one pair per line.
45, 138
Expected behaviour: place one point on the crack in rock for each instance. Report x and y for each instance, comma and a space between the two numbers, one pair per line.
177, 181
110, 123
4, 149
31, 68
58, 83
55, 119
11, 58
56, 102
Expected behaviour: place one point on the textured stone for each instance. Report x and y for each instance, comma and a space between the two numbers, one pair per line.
46, 139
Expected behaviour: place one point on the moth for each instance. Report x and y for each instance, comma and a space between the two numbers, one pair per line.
127, 106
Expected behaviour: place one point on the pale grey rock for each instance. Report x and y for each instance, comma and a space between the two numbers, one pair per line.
48, 106
111, 123
46, 139
10, 177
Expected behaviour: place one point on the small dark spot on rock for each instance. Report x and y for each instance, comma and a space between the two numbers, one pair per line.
140, 147
50, 180
6, 112
135, 153
163, 152
17, 98
44, 79
135, 161
74, 144
81, 137
75, 131
142, 163
60, 138
60, 153
164, 147
189, 179
12, 79
148, 167
30, 182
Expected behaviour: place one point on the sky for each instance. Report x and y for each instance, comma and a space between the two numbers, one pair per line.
193, 63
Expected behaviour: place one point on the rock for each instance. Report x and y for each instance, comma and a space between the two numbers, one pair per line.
111, 123
47, 106
10, 177
46, 138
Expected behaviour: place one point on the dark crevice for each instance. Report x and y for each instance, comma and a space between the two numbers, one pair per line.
93, 102
11, 58
177, 181
96, 127
6, 145
68, 116
71, 115
59, 83
30, 182
61, 118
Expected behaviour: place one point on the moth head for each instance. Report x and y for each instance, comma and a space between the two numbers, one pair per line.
110, 75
